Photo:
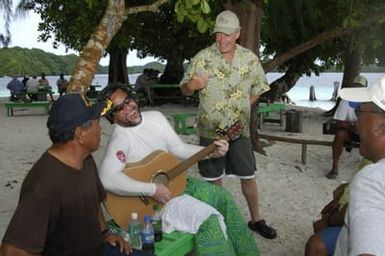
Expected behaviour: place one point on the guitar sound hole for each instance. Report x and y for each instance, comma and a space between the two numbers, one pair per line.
161, 178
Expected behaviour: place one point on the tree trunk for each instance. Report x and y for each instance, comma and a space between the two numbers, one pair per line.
352, 60
280, 86
173, 73
250, 23
117, 69
91, 54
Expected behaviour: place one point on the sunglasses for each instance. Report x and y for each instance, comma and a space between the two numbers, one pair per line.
121, 106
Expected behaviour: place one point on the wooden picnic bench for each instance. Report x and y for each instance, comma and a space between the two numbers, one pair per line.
302, 141
23, 105
264, 111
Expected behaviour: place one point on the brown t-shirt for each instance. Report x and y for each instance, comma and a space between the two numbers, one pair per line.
57, 212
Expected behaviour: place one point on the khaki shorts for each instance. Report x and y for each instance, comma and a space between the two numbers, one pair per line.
238, 162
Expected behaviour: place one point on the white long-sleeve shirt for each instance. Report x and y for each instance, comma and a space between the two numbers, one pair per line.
132, 144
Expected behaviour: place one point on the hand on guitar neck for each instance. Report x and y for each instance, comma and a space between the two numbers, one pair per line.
162, 194
221, 149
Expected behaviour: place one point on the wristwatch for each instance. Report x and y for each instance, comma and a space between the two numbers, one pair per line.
106, 232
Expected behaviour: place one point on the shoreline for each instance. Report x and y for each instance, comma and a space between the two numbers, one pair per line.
291, 194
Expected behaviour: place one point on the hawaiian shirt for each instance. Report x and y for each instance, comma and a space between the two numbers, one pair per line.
226, 100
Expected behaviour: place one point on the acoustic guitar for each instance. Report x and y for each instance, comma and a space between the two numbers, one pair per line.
159, 167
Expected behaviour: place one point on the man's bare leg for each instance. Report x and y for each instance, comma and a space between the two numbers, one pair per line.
250, 191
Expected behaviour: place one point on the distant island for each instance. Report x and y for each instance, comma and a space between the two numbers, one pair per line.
21, 61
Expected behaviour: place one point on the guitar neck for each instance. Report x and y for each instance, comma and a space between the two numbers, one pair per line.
172, 173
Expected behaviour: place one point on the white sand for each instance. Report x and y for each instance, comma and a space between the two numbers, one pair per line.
291, 194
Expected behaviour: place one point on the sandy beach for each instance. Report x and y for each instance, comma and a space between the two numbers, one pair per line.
291, 194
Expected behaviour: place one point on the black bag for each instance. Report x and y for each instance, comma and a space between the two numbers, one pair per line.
330, 127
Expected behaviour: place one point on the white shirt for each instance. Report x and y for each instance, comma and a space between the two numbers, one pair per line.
32, 85
132, 144
364, 227
345, 112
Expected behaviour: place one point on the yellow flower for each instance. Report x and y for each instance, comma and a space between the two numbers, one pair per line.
219, 74
200, 63
237, 114
219, 105
243, 70
236, 95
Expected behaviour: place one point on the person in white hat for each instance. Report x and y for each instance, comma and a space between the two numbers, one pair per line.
346, 133
364, 227
229, 79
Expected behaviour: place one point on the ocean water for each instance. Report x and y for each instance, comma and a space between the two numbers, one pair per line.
299, 94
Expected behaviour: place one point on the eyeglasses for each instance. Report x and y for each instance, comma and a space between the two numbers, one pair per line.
122, 105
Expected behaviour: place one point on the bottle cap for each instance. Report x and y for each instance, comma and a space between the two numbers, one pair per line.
134, 216
147, 218
155, 207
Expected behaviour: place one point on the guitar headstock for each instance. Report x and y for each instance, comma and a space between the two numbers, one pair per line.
231, 133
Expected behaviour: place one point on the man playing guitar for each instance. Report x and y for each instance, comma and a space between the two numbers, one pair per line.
137, 134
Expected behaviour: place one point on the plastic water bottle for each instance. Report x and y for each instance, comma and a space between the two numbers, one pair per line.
148, 235
134, 231
157, 223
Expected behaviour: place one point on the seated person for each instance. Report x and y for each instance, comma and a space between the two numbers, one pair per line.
62, 84
327, 229
364, 225
59, 210
16, 87
32, 87
143, 82
346, 128
44, 83
135, 135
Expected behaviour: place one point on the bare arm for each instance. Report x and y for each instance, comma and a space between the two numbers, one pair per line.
253, 99
111, 238
10, 250
195, 83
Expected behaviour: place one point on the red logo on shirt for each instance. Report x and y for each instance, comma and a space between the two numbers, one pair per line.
121, 156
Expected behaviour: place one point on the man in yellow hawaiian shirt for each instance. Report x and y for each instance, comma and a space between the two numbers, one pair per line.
229, 79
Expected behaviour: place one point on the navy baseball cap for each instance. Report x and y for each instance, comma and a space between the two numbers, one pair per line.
73, 110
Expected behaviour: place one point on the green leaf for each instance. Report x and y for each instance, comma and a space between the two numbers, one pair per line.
180, 15
205, 7
202, 25
195, 2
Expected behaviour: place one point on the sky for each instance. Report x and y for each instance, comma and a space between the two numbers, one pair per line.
24, 34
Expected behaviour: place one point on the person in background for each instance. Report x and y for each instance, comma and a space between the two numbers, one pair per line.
15, 87
25, 80
44, 83
327, 229
229, 79
135, 135
143, 82
346, 128
62, 84
32, 87
364, 226
59, 211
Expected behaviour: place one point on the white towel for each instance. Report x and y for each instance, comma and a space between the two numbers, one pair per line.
185, 213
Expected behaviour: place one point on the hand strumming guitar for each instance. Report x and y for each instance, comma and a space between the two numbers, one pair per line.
162, 194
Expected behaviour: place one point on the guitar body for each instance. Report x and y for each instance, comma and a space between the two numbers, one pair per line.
152, 168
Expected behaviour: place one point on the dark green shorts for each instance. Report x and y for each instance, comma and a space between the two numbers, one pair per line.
239, 161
